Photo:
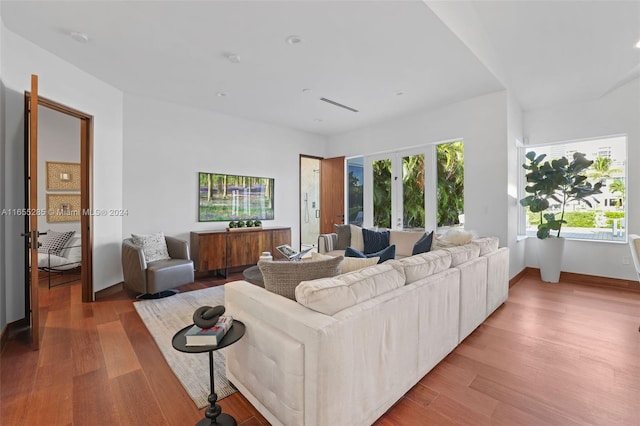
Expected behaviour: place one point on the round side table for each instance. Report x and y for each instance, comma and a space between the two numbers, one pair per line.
213, 415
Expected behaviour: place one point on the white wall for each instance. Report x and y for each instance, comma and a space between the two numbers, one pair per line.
615, 113
482, 123
3, 268
64, 83
58, 140
517, 247
166, 145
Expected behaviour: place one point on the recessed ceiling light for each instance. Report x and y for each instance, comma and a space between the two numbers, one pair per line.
234, 58
307, 90
294, 39
79, 37
638, 44
399, 93
221, 94
318, 120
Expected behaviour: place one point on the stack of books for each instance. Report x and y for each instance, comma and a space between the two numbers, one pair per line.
197, 336
292, 254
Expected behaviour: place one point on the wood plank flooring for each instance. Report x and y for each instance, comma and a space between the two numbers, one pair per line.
553, 354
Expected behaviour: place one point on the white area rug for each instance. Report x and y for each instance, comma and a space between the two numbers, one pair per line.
163, 318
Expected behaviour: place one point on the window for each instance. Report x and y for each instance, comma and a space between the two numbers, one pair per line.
604, 220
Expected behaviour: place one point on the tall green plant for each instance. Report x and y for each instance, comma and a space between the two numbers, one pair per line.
558, 180
450, 193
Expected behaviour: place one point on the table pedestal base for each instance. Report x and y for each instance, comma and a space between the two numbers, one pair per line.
222, 420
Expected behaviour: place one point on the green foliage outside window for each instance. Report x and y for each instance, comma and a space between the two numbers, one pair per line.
450, 164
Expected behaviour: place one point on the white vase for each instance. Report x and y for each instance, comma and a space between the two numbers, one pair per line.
550, 258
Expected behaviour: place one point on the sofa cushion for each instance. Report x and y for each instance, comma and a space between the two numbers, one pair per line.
374, 241
487, 244
425, 264
462, 254
283, 277
154, 246
423, 245
383, 255
404, 241
344, 237
332, 295
349, 264
54, 242
357, 240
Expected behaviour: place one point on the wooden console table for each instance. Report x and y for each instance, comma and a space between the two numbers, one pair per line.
221, 250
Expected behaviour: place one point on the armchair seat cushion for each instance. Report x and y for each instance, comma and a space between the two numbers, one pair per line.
164, 274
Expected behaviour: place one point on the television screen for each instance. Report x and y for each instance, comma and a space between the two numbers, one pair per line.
225, 197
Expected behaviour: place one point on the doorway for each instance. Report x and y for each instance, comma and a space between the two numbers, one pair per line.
82, 139
309, 201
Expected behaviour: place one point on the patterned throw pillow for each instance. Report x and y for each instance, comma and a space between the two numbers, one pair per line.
54, 242
283, 277
344, 236
153, 246
374, 241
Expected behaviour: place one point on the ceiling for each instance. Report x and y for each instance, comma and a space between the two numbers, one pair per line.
382, 58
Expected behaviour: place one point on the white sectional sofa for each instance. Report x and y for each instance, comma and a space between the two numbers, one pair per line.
350, 346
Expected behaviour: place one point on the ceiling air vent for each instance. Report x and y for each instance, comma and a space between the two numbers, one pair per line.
329, 101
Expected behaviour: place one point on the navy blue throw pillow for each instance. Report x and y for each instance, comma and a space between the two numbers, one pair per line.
351, 252
384, 254
423, 245
374, 241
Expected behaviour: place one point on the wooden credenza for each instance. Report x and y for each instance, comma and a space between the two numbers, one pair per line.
221, 250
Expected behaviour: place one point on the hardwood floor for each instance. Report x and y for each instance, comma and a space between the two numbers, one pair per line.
553, 354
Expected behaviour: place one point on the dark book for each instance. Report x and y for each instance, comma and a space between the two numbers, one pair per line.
197, 336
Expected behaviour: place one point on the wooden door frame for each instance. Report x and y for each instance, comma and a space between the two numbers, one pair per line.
86, 187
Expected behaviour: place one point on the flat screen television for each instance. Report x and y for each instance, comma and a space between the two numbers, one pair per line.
223, 197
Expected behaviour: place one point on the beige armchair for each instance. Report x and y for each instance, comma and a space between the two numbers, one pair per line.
156, 278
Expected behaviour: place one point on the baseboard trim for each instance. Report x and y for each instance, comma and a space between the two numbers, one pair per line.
518, 277
10, 329
583, 279
106, 292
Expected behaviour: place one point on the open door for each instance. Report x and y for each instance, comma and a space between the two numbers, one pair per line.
331, 193
31, 172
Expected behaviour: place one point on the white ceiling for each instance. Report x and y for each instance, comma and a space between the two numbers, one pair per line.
358, 53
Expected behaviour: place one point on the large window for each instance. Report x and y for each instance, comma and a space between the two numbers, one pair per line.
605, 219
413, 189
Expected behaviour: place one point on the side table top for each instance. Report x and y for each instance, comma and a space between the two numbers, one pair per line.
234, 334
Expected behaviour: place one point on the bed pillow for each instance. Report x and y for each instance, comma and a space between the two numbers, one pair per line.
154, 246
54, 242
283, 277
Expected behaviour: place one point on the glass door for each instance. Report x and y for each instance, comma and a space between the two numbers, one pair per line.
399, 189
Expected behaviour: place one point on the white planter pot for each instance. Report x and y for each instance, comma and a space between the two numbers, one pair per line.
550, 258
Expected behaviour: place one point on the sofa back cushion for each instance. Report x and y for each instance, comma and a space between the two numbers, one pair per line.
462, 254
487, 244
344, 236
425, 264
357, 240
283, 277
404, 241
332, 295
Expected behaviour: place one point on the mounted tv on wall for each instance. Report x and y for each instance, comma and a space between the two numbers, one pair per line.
225, 197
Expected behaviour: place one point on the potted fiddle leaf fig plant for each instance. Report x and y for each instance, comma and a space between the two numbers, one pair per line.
558, 182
